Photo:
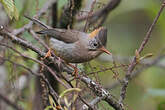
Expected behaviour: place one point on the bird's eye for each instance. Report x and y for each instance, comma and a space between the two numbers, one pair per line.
95, 44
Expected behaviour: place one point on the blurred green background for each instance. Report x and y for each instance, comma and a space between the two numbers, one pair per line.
127, 25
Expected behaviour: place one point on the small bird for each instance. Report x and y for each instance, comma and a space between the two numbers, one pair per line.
75, 46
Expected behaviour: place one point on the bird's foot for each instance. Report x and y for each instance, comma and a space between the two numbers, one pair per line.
75, 72
48, 54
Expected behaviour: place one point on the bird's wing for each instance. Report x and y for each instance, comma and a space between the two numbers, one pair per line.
38, 22
68, 36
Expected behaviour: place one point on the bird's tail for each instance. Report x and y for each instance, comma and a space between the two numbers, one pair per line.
47, 32
38, 22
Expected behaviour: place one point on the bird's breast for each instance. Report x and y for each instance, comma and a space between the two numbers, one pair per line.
80, 54
73, 52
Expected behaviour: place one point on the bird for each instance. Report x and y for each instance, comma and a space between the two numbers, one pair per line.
74, 46
77, 47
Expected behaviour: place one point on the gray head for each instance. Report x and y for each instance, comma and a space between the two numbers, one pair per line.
98, 40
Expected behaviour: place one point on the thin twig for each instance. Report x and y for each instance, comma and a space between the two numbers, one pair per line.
20, 65
39, 40
92, 103
9, 102
106, 10
127, 59
96, 88
52, 92
90, 12
47, 5
39, 62
106, 69
133, 63
101, 92
137, 72
84, 101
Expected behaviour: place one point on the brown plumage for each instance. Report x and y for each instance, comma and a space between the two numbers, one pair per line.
74, 46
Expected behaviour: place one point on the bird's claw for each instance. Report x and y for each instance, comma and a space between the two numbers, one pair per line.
48, 54
75, 72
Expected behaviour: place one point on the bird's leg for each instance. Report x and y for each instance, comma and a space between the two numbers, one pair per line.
59, 60
48, 54
75, 70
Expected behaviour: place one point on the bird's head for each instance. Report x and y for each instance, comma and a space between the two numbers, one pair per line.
98, 40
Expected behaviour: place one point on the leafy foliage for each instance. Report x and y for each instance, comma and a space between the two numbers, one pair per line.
10, 8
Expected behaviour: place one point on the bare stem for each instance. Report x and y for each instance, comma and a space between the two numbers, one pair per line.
133, 63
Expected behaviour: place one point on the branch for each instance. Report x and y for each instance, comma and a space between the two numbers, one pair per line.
39, 62
68, 14
9, 102
23, 43
39, 39
20, 65
101, 92
52, 92
126, 59
104, 11
133, 75
90, 12
92, 103
47, 5
133, 63
97, 89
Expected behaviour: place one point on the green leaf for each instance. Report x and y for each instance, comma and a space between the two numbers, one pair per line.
65, 93
48, 108
10, 8
16, 14
52, 103
148, 55
69, 90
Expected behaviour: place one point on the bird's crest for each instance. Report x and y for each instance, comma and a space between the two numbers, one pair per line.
95, 32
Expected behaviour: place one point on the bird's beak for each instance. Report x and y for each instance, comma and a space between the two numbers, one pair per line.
105, 50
